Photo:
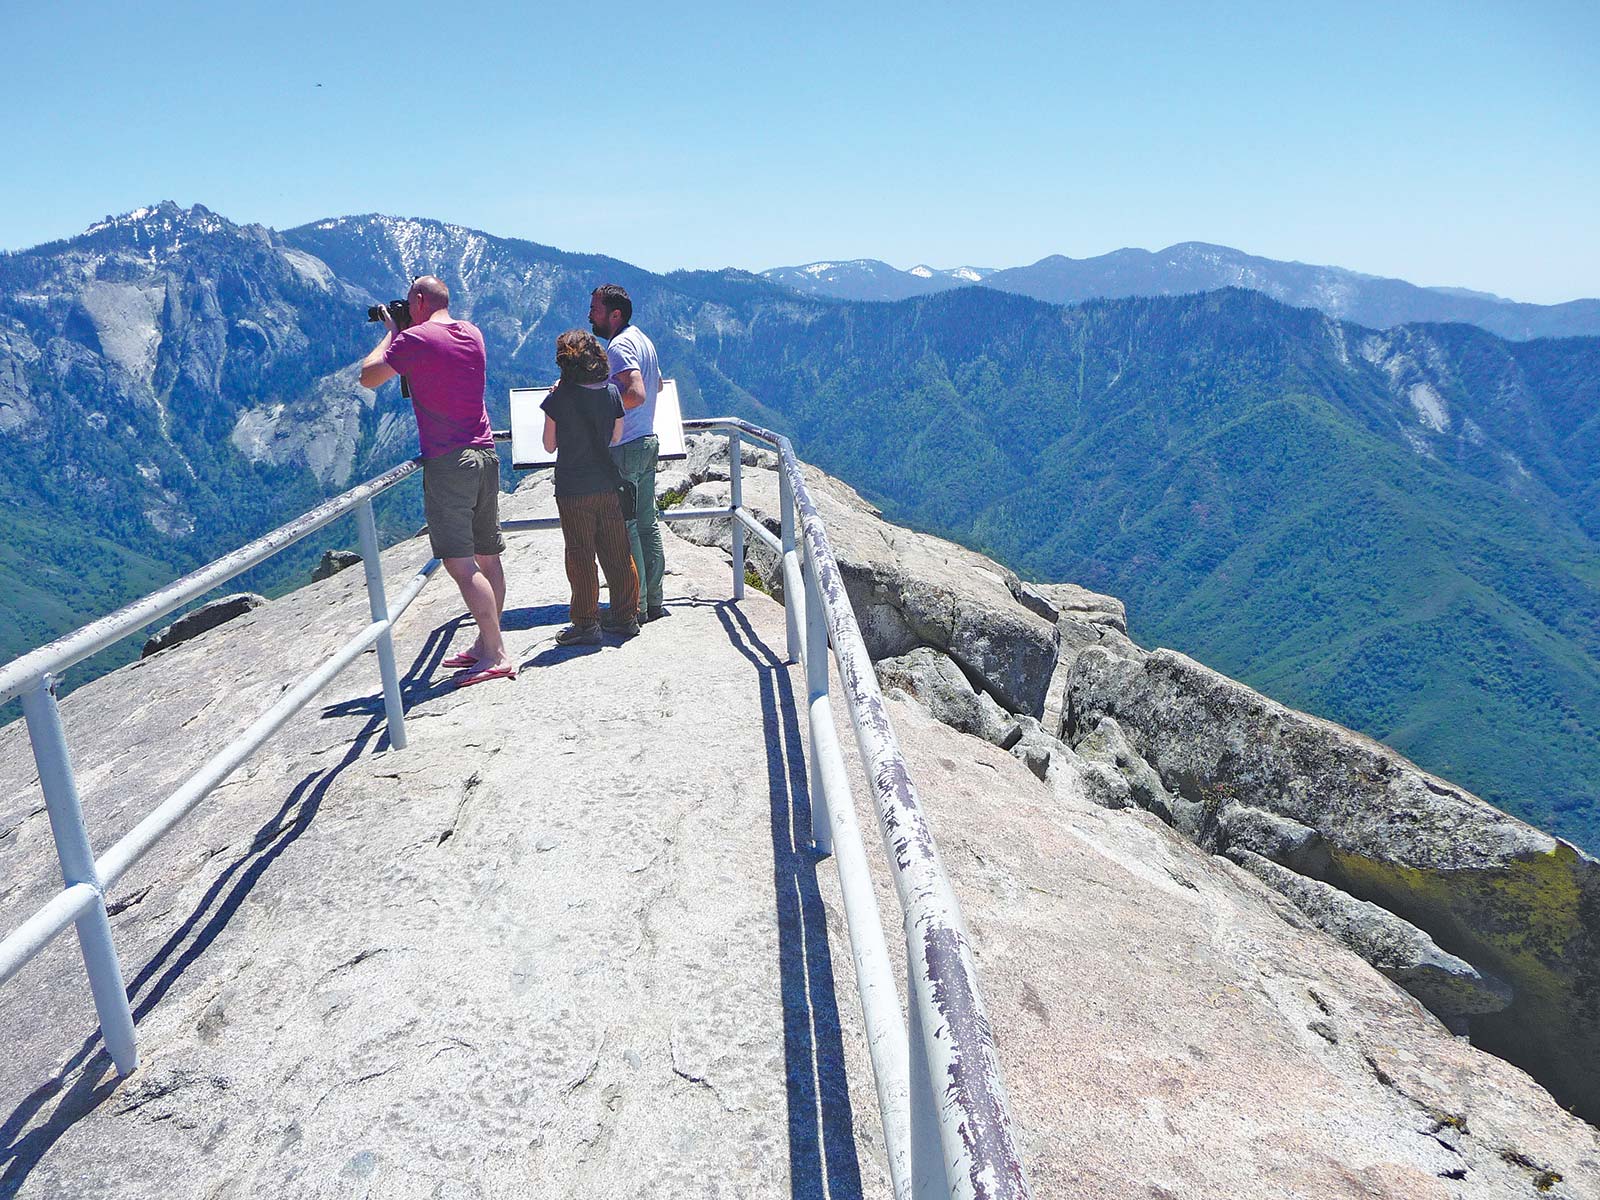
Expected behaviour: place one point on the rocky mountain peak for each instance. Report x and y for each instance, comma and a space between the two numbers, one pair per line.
162, 229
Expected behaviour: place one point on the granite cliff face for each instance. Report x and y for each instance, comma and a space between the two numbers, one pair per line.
570, 942
1491, 923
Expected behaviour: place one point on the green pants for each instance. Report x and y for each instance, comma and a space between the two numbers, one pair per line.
637, 462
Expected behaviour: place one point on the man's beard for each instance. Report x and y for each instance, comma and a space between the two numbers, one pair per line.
599, 330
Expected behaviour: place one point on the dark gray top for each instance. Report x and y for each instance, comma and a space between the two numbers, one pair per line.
579, 470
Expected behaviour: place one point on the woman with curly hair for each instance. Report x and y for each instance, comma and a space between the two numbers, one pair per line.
582, 416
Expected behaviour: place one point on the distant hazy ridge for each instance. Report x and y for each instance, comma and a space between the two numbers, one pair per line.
1199, 267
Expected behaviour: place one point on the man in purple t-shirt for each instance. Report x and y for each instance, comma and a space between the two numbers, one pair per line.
442, 359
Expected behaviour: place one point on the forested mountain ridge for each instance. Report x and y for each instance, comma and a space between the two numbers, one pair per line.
1317, 509
1397, 530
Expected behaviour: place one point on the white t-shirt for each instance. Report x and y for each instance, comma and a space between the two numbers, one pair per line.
630, 350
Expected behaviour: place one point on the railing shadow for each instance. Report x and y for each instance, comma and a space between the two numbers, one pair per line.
822, 1151
416, 685
22, 1148
822, 1144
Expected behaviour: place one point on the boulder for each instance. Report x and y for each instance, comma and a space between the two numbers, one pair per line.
1487, 887
1107, 745
908, 589
1083, 618
706, 460
1080, 604
332, 562
1076, 779
937, 683
207, 616
718, 532
1285, 842
1449, 986
672, 481
1032, 746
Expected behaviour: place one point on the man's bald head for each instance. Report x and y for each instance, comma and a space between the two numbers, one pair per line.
432, 293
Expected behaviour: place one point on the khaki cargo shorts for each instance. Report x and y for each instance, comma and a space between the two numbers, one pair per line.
461, 499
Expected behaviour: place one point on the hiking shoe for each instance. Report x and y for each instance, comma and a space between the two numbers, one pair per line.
616, 622
579, 635
625, 630
657, 611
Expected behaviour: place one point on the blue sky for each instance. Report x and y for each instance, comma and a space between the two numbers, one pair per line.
1442, 143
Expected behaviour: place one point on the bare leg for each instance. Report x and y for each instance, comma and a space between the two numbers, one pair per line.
479, 594
489, 565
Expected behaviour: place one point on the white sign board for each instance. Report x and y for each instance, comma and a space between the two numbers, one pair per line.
527, 426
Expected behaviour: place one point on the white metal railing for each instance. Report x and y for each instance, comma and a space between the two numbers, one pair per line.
954, 1139
950, 1139
85, 879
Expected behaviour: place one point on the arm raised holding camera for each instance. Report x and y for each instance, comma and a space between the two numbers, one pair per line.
443, 358
374, 370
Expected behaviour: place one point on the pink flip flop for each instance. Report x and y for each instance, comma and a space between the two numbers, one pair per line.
484, 676
461, 660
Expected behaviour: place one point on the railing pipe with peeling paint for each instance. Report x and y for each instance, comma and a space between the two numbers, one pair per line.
953, 1062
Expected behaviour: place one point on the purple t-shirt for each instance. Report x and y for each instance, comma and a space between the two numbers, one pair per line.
444, 364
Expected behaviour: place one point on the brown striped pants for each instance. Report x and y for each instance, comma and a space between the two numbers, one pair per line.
592, 526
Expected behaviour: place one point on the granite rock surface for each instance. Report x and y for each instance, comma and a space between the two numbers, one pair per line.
908, 589
570, 942
1514, 901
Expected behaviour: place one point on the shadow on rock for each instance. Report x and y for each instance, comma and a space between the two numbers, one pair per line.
536, 616
552, 655
83, 1078
418, 683
822, 1146
21, 1151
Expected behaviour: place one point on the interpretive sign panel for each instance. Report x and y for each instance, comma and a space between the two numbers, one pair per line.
527, 426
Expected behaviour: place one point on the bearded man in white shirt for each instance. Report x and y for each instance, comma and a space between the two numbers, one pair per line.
637, 374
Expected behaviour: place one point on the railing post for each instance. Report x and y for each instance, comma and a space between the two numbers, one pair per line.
367, 529
60, 790
736, 500
786, 531
817, 704
928, 1178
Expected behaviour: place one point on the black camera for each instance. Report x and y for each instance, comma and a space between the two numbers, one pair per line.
400, 310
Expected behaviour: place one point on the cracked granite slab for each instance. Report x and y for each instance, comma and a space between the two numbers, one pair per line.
556, 947
570, 943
